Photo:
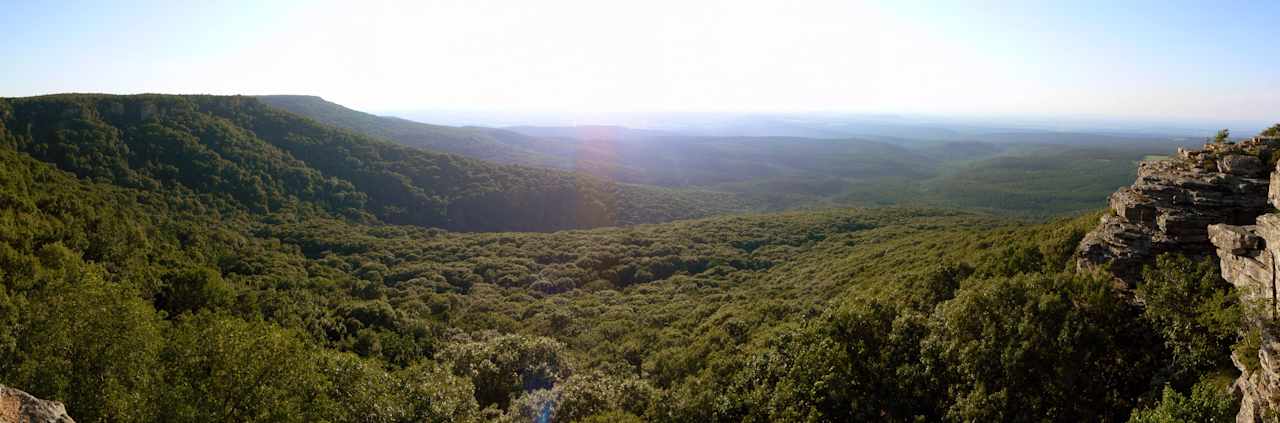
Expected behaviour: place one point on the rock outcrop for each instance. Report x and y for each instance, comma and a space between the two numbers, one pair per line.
1248, 255
1198, 203
20, 407
1171, 205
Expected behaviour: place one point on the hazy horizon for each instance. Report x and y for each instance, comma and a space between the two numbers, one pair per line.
1203, 64
394, 211
978, 123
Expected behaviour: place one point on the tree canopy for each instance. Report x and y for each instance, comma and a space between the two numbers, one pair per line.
207, 258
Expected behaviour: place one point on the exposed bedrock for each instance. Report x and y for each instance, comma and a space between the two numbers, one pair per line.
20, 407
1214, 201
1171, 205
1248, 260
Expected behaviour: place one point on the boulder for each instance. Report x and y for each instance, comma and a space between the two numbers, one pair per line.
1268, 227
1133, 206
17, 406
1241, 165
1234, 239
1189, 226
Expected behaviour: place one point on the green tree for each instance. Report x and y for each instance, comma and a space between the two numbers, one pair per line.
93, 345
587, 394
864, 364
1039, 347
502, 366
437, 395
222, 368
1222, 136
361, 390
1194, 310
192, 289
1012, 260
1211, 401
1273, 131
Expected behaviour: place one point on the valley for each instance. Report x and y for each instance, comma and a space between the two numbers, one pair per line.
177, 246
1027, 174
664, 211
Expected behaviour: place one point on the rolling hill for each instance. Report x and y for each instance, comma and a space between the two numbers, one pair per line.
195, 313
494, 145
195, 258
1038, 173
242, 153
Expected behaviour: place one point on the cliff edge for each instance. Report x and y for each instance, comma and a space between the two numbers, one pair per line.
1218, 200
1171, 205
1248, 257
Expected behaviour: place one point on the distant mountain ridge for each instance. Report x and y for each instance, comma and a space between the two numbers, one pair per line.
239, 153
1033, 171
489, 144
589, 132
626, 154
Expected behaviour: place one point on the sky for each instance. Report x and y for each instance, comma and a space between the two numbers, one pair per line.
1116, 59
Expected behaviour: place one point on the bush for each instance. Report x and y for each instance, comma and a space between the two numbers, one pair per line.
1039, 347
502, 366
221, 368
1211, 401
436, 394
93, 345
193, 289
1195, 311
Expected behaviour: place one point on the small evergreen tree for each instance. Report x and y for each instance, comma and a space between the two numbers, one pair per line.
1222, 136
1274, 130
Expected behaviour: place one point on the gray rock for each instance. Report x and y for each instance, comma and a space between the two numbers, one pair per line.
1133, 206
1188, 226
1268, 227
1169, 209
1186, 205
1236, 164
1248, 257
1273, 193
1234, 239
17, 406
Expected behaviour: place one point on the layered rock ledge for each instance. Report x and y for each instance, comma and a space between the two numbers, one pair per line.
1248, 257
1198, 203
1170, 206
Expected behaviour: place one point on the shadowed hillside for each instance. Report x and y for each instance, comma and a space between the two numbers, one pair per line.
494, 145
1025, 174
244, 154
216, 259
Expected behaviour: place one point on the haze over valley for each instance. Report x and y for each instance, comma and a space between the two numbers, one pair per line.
1015, 171
563, 211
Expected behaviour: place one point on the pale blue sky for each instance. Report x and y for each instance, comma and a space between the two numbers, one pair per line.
1162, 60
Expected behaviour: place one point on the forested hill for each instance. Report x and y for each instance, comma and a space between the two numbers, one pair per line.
130, 306
238, 153
639, 156
489, 144
1016, 174
196, 259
